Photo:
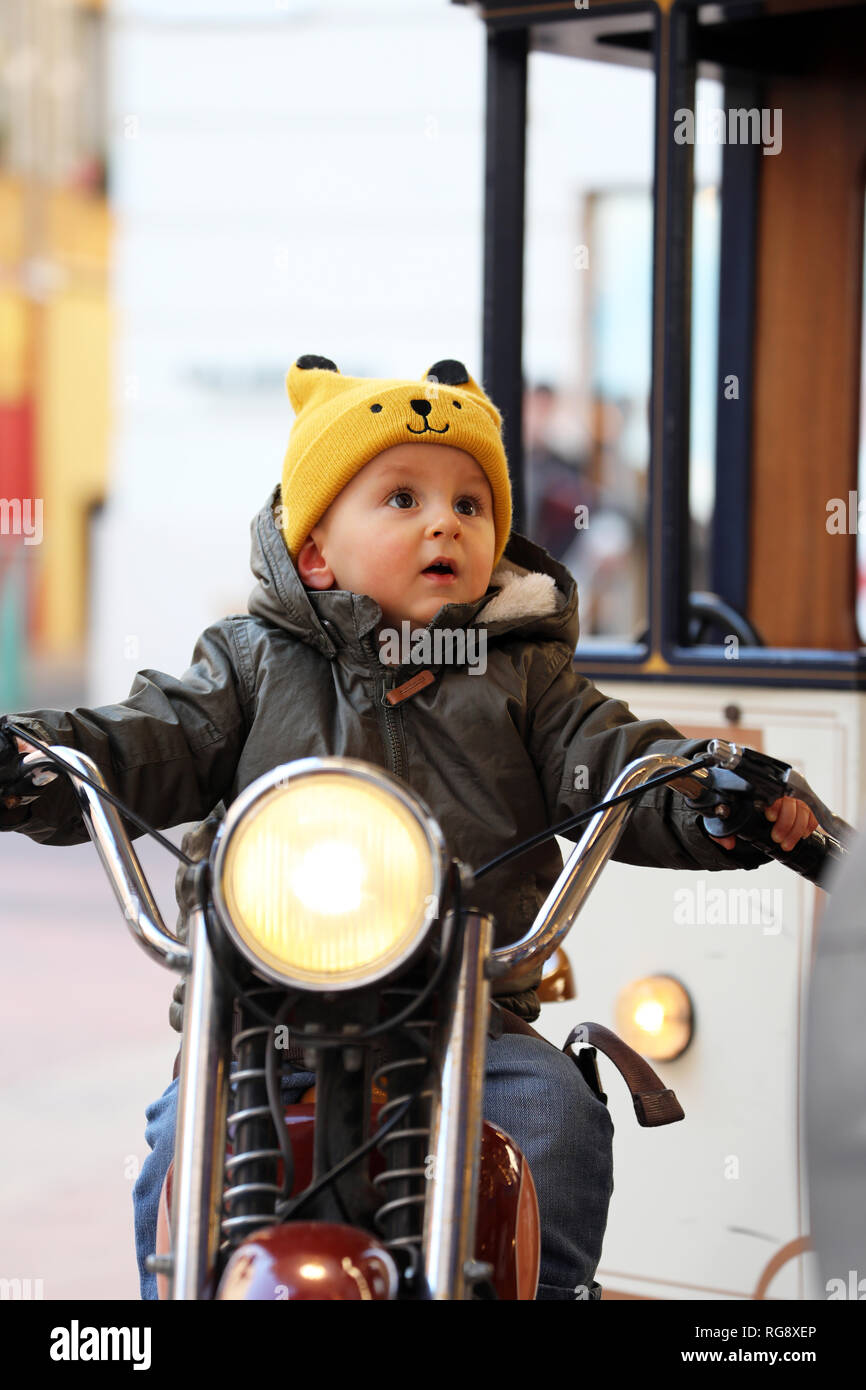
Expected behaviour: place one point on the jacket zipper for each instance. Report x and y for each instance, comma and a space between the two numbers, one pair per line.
389, 718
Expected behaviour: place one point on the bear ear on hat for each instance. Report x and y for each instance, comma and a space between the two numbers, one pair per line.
310, 360
449, 372
304, 378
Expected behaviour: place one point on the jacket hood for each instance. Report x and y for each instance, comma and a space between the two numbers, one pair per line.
530, 594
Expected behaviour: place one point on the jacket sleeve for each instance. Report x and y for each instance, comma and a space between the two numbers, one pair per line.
170, 750
580, 740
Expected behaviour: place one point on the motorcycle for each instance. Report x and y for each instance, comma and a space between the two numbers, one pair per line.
330, 929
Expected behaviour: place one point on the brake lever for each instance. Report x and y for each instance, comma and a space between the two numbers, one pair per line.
740, 797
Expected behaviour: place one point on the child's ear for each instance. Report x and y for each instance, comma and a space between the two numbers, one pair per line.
313, 568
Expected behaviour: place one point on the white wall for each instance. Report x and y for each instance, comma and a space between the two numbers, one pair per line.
291, 178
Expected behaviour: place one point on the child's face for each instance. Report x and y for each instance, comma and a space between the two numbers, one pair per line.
409, 506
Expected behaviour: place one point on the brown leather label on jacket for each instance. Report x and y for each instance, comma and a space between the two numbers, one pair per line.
410, 687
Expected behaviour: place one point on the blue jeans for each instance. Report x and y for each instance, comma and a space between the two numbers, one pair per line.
533, 1092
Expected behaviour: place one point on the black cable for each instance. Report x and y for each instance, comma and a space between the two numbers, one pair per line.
272, 1082
287, 1210
569, 824
238, 990
109, 796
345, 1214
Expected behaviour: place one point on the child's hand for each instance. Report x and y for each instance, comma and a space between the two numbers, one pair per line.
794, 821
12, 801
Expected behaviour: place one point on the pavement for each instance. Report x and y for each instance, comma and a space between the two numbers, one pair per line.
85, 1045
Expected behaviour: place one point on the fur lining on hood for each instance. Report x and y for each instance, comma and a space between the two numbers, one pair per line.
524, 594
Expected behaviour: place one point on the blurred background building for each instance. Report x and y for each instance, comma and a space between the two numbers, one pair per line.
194, 194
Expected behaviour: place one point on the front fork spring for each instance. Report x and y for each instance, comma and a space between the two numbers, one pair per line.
251, 1170
400, 1220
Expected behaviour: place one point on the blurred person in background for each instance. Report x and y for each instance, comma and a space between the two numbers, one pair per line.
555, 484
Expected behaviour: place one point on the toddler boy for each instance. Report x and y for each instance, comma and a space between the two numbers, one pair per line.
386, 548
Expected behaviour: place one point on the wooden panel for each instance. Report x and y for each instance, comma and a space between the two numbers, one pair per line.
749, 738
807, 350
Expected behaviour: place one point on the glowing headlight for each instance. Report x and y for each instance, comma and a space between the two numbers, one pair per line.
654, 1016
328, 873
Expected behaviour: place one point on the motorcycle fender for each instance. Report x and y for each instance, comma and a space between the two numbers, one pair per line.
310, 1260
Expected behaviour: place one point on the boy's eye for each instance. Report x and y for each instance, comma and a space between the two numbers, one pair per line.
402, 493
475, 504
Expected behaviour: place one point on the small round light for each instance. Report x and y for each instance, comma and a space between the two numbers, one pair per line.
654, 1016
650, 1016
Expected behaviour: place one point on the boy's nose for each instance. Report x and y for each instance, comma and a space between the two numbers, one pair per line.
421, 408
439, 527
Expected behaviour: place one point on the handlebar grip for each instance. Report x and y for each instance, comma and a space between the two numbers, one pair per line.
814, 856
21, 774
10, 765
9, 755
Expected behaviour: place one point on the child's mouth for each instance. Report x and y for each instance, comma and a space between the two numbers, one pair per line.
440, 573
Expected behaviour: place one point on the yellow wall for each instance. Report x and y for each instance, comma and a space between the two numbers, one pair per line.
72, 434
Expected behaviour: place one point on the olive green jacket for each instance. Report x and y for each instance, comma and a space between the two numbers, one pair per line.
496, 756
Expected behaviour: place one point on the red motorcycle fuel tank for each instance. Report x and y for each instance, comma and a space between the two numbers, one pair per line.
322, 1260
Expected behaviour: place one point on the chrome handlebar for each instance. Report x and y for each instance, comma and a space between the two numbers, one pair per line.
120, 861
552, 923
580, 873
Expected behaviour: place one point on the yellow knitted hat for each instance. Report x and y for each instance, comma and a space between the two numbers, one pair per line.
342, 422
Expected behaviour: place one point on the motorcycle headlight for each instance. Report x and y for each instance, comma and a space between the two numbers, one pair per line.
328, 873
